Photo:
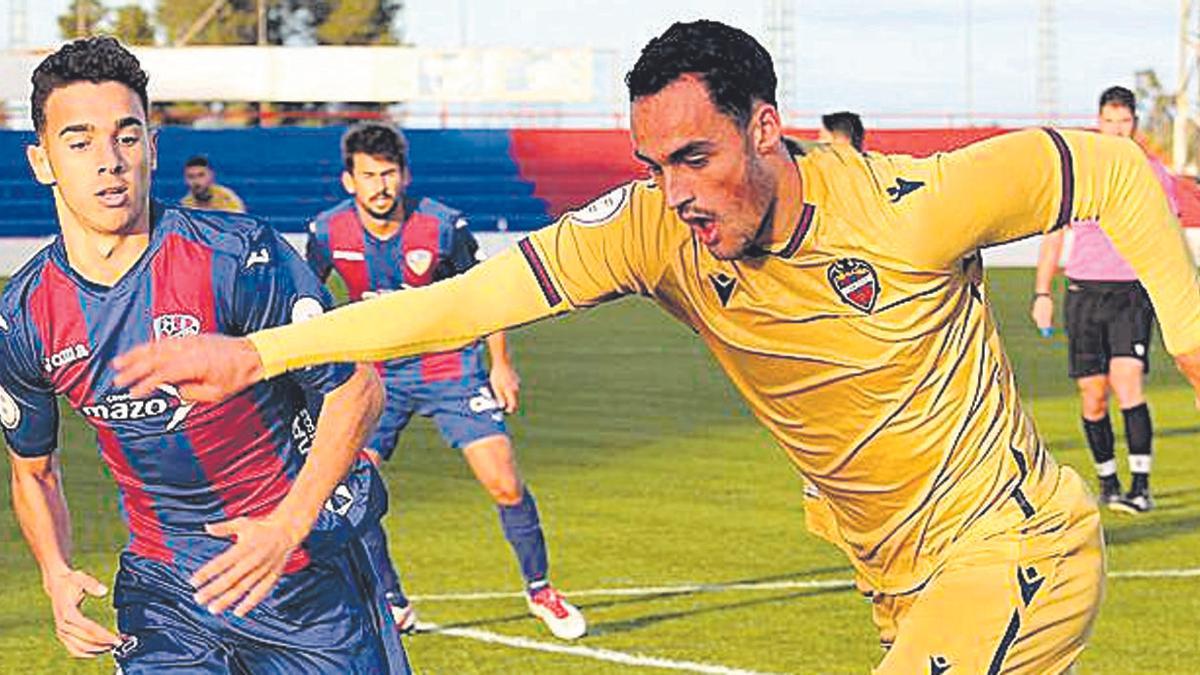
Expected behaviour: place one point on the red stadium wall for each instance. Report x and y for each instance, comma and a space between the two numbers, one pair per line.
569, 167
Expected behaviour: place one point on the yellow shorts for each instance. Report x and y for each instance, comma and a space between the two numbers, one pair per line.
1020, 601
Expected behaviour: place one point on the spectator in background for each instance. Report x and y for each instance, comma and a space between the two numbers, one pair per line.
203, 190
842, 128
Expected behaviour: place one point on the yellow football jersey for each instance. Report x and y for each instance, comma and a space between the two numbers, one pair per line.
220, 198
856, 338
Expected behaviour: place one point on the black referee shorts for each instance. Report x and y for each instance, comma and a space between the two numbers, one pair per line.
1106, 319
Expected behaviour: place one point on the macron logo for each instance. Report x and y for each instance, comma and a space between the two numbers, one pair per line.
903, 187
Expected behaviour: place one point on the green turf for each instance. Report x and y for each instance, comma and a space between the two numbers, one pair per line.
650, 471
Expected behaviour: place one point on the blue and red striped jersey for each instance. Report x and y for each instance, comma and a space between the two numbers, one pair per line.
433, 243
178, 465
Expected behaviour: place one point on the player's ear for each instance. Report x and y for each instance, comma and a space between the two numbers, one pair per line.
39, 161
766, 129
347, 182
152, 148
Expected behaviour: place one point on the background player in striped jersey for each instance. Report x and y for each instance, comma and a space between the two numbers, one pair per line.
1109, 322
382, 240
242, 553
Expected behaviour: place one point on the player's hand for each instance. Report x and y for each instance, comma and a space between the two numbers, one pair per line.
204, 368
246, 573
1189, 365
82, 637
1042, 312
506, 386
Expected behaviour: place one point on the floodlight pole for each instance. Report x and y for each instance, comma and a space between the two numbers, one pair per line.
781, 38
969, 66
262, 22
18, 24
1189, 53
1047, 80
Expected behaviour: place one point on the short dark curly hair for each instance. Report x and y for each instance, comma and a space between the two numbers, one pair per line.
737, 70
93, 59
375, 139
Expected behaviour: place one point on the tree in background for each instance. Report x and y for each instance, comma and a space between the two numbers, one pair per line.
82, 18
235, 22
131, 24
355, 22
1157, 116
1156, 119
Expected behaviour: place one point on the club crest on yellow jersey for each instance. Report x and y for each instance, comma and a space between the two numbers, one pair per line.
855, 282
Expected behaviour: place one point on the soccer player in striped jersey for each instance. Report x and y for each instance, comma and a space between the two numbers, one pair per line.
243, 551
381, 240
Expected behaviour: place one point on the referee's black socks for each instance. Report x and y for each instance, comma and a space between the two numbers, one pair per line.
1100, 440
1139, 434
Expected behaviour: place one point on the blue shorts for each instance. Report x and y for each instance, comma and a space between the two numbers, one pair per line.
464, 409
316, 620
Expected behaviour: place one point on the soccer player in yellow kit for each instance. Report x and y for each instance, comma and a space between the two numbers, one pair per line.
830, 288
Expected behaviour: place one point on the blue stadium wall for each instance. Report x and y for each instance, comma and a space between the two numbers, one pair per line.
287, 175
513, 180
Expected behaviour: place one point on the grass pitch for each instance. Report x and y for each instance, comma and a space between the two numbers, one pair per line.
649, 472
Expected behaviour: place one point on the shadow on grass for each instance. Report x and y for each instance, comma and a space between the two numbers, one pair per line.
627, 625
1078, 443
1138, 530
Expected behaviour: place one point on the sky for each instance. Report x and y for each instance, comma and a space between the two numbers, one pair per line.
880, 57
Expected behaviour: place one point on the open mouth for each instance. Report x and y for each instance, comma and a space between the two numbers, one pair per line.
115, 196
705, 229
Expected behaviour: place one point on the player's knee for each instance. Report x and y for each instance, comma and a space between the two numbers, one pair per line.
1128, 391
506, 490
1095, 407
1093, 399
1126, 385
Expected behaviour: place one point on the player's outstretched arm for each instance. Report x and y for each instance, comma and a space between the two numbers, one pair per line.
448, 315
41, 511
1039, 180
245, 574
615, 249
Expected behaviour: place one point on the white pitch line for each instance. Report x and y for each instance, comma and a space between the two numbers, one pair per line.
676, 589
680, 589
1155, 574
587, 652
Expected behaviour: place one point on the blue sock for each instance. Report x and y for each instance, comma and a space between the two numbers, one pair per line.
375, 544
523, 530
